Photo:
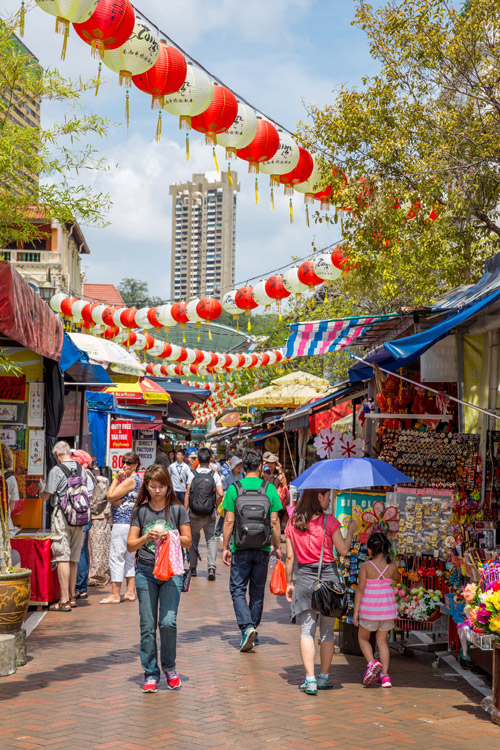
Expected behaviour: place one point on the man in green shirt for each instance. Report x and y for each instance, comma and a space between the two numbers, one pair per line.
249, 564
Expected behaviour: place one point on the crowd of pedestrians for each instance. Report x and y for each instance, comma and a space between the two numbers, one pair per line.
114, 533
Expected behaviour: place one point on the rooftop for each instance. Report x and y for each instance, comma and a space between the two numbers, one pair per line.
106, 294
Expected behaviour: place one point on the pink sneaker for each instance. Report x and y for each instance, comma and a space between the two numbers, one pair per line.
372, 670
150, 686
384, 681
173, 679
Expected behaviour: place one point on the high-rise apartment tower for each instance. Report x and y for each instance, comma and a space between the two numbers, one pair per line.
203, 235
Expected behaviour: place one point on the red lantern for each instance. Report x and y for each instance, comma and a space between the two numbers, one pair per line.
111, 332
219, 116
214, 360
165, 77
307, 276
167, 351
255, 360
132, 338
183, 355
209, 308
67, 304
275, 289
241, 360
341, 261
279, 356
262, 148
178, 313
178, 369
87, 313
110, 26
150, 342
264, 359
152, 317
324, 197
301, 173
244, 299
199, 357
149, 369
228, 361
127, 318
193, 369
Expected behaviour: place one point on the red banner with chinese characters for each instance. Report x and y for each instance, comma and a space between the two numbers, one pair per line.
12, 389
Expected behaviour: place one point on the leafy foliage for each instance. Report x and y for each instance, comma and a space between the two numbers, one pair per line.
136, 293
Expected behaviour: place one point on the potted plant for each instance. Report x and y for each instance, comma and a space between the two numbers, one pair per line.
15, 584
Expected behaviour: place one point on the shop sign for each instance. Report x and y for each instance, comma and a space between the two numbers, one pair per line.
146, 450
120, 442
35, 404
36, 445
12, 389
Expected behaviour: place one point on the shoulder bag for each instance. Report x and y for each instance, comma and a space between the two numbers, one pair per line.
329, 598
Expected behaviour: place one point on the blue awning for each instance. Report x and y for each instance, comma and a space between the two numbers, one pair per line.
77, 367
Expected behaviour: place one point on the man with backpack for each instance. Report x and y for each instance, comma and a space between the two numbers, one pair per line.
251, 523
202, 499
69, 490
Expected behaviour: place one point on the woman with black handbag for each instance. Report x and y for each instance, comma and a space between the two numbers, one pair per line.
319, 594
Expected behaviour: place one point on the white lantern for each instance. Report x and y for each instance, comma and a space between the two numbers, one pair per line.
140, 343
66, 12
314, 184
175, 353
141, 318
97, 314
117, 317
285, 159
157, 371
121, 337
292, 283
248, 361
76, 310
272, 357
193, 98
242, 131
260, 295
191, 356
207, 358
164, 316
157, 348
324, 268
55, 301
137, 55
191, 311
229, 304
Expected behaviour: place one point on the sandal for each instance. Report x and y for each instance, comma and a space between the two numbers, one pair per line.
82, 595
72, 602
60, 607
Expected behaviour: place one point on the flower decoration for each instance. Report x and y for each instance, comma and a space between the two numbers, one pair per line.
351, 447
380, 518
469, 592
483, 616
326, 443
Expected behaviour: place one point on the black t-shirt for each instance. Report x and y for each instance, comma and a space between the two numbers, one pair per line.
145, 518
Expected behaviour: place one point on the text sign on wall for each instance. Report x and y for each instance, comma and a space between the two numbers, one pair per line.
120, 442
12, 389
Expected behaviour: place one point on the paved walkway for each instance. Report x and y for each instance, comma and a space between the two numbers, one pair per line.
81, 689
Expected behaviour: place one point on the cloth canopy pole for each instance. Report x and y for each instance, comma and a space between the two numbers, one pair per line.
291, 457
427, 388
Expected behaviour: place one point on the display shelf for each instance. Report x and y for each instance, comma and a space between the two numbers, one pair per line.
480, 640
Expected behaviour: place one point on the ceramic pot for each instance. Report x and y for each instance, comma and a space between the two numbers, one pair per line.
15, 589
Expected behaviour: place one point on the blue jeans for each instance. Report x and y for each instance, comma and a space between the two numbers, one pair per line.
82, 571
152, 594
248, 569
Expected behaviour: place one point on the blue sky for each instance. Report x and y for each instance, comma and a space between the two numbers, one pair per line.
276, 54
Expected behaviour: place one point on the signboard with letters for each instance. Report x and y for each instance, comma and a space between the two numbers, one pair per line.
146, 450
120, 442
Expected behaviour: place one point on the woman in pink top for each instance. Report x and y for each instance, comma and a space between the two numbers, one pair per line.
305, 531
375, 607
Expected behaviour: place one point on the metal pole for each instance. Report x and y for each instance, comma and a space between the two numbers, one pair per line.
82, 418
460, 379
291, 457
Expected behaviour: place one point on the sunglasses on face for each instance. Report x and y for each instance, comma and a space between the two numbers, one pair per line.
128, 463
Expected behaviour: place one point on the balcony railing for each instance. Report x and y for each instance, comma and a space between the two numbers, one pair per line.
30, 256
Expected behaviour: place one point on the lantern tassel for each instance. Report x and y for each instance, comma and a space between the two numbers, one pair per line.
127, 108
307, 215
125, 78
253, 167
272, 199
184, 122
158, 127
249, 324
229, 174
22, 20
187, 146
215, 160
62, 27
157, 101
256, 191
292, 220
230, 152
97, 49
209, 333
98, 81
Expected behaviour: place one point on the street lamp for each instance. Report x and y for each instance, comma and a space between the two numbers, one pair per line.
46, 291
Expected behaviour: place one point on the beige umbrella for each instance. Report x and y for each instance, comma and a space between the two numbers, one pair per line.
302, 378
286, 397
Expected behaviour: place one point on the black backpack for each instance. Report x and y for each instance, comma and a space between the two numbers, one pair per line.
252, 517
202, 495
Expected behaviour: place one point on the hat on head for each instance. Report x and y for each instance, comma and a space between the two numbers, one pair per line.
234, 461
82, 457
270, 457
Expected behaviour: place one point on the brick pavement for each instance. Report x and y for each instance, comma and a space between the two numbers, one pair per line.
81, 689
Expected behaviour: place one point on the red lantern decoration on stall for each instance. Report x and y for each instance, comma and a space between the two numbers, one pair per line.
109, 26
179, 314
87, 314
165, 77
301, 173
107, 316
341, 261
150, 341
307, 276
152, 317
199, 355
67, 304
127, 318
167, 351
245, 301
219, 116
262, 148
183, 355
324, 197
208, 309
275, 289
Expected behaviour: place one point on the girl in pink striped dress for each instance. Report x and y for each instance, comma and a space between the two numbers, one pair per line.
375, 607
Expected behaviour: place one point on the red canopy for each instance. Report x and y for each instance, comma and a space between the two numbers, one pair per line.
25, 317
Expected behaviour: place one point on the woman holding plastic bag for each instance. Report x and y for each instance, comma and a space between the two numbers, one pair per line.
159, 528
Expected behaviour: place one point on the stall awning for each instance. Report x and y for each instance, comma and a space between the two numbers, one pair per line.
105, 402
25, 317
77, 368
299, 418
176, 429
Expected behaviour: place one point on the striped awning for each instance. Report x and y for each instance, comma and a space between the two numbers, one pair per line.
324, 336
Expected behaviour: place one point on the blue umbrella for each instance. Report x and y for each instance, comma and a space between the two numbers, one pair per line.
349, 473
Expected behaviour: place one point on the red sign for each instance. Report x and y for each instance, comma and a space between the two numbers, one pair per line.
120, 436
12, 389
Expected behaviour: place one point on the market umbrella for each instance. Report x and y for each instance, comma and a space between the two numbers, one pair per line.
108, 354
299, 377
349, 474
286, 397
143, 390
232, 419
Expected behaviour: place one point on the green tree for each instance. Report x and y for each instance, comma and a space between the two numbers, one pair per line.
40, 167
419, 146
136, 293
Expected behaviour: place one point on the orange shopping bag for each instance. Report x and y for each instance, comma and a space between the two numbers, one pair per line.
163, 569
278, 579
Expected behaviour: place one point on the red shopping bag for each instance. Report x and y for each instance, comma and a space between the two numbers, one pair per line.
278, 579
163, 567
